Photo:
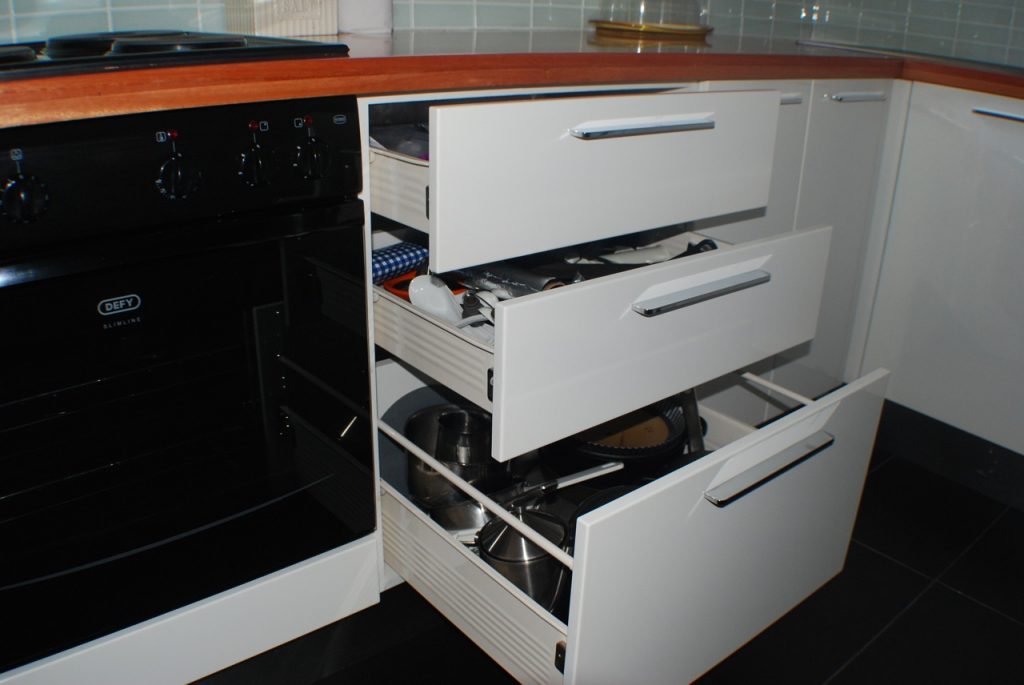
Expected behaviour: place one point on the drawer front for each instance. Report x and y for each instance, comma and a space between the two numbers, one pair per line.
688, 581
515, 178
574, 357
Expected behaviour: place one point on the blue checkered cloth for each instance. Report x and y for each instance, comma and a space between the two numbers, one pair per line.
393, 260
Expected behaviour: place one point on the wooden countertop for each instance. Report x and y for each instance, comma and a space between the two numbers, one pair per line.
380, 68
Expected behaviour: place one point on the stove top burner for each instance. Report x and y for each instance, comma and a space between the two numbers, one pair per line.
182, 42
16, 54
85, 52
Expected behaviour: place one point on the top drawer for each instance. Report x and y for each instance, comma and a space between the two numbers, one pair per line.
507, 179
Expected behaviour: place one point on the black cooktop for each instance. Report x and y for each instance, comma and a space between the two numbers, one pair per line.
85, 52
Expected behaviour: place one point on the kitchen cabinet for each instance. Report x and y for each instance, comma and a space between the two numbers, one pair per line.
845, 134
670, 578
778, 216
947, 318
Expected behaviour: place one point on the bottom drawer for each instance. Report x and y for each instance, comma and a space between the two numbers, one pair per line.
672, 577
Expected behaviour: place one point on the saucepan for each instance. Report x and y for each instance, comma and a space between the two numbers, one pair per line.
529, 567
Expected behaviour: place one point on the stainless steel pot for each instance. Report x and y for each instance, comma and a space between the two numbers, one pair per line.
468, 515
529, 567
460, 438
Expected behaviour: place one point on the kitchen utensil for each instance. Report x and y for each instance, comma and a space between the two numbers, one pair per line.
655, 431
465, 449
530, 568
430, 294
467, 516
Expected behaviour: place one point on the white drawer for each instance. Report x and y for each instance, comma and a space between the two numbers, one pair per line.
666, 582
512, 178
569, 358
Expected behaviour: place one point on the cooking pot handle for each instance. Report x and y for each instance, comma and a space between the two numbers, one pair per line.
746, 482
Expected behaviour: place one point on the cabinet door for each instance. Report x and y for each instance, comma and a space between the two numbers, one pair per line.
670, 579
845, 129
949, 318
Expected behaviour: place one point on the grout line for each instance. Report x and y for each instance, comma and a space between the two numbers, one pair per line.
927, 588
981, 604
877, 635
893, 560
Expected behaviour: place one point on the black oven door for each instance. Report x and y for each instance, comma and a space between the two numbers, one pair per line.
180, 413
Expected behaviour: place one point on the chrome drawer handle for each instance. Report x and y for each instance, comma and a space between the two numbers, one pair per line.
643, 126
746, 482
998, 115
858, 97
701, 293
792, 99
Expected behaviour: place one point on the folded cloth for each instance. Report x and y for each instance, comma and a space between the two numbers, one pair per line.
396, 259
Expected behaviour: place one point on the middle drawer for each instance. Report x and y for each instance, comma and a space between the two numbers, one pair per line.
569, 358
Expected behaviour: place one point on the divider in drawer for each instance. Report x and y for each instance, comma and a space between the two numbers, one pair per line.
570, 358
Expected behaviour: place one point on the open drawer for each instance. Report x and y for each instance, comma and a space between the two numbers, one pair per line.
570, 358
672, 577
512, 178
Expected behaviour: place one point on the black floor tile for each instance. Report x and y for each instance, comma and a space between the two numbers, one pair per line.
439, 655
811, 642
943, 639
984, 466
992, 571
919, 518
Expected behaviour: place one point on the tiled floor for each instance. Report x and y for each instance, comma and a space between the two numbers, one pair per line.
932, 593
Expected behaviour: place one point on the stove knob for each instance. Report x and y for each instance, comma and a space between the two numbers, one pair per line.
23, 199
311, 158
253, 167
178, 178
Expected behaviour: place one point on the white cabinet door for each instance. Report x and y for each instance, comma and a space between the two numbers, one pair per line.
514, 178
671, 578
949, 317
845, 131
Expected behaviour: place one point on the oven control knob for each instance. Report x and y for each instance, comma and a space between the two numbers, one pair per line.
23, 199
311, 158
178, 178
253, 166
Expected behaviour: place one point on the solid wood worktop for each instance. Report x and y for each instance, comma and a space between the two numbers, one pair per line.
26, 100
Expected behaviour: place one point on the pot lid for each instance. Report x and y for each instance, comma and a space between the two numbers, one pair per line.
498, 540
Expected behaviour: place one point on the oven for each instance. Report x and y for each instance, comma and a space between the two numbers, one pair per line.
186, 464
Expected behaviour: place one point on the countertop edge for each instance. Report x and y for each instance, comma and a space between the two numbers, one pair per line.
26, 101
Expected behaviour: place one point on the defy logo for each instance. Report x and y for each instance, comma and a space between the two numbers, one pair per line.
119, 305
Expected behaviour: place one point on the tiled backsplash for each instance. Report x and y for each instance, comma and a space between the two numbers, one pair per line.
26, 20
985, 30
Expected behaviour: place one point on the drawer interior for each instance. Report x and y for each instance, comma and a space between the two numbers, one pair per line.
759, 516
404, 393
